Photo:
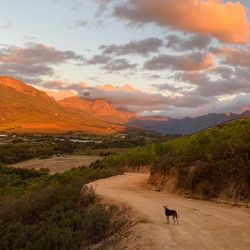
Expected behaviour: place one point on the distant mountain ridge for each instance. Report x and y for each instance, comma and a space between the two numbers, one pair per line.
26, 109
99, 108
186, 125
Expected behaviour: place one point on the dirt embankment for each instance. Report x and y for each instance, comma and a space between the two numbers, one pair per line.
203, 225
190, 185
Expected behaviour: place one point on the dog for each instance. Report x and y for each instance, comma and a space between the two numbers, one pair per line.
172, 213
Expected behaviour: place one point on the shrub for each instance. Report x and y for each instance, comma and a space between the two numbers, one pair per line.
54, 212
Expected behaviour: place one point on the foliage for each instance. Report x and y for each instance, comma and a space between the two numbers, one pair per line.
38, 211
31, 146
23, 150
207, 162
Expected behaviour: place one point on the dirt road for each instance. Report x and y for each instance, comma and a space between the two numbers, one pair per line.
203, 225
58, 164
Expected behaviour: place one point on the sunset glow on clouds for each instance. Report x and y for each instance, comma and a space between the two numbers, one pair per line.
226, 21
185, 57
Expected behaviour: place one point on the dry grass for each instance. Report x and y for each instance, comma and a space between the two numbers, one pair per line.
58, 164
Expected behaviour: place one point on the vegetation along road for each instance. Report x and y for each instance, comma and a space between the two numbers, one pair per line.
203, 224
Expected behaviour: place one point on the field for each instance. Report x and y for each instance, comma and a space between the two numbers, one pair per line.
58, 164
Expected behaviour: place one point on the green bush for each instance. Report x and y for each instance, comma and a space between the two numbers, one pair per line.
54, 212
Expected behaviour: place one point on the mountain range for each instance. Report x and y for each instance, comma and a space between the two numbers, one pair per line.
26, 109
186, 125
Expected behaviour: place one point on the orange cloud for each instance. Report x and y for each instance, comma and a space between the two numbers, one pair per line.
226, 21
110, 87
59, 94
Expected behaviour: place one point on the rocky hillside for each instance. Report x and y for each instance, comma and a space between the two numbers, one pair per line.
26, 109
99, 108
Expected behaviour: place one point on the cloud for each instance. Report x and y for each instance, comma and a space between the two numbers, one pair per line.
238, 104
223, 87
81, 23
234, 56
217, 82
126, 96
119, 65
7, 25
167, 87
227, 21
188, 62
111, 65
59, 94
34, 60
193, 42
98, 59
103, 6
223, 72
141, 47
75, 4
194, 78
178, 104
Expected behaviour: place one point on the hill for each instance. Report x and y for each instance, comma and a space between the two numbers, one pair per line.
214, 163
99, 108
186, 125
26, 109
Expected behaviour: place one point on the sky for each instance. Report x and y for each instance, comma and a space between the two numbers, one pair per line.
154, 57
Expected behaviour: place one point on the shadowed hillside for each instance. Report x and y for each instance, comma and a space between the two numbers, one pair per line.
186, 125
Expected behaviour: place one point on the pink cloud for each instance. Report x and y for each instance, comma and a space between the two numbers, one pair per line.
226, 21
59, 94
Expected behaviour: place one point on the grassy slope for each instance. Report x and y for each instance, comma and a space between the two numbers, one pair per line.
212, 163
33, 109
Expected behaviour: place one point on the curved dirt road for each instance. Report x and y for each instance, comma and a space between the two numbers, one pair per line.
203, 225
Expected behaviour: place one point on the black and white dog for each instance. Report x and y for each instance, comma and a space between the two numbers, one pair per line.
172, 213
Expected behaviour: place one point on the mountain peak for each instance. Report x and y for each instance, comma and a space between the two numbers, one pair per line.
9, 82
100, 108
20, 87
26, 109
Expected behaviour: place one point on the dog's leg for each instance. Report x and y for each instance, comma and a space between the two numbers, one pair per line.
177, 216
176, 219
167, 219
173, 219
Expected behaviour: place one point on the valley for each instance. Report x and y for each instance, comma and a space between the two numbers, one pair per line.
115, 115
43, 175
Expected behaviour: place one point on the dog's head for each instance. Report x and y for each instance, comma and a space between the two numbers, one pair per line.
165, 207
